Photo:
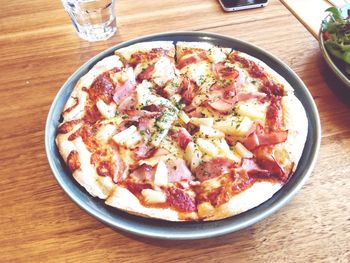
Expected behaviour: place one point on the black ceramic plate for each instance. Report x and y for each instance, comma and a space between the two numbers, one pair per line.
184, 230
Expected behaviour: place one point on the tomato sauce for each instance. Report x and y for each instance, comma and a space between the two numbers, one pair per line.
73, 161
67, 126
180, 200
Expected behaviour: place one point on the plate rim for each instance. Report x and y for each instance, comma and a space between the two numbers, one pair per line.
198, 235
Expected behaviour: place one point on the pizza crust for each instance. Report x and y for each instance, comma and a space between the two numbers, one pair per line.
288, 89
296, 122
126, 52
255, 195
123, 199
214, 50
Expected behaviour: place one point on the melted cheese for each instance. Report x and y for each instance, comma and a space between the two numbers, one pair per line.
164, 70
201, 74
105, 132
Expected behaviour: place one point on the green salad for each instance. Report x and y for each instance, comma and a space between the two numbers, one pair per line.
336, 36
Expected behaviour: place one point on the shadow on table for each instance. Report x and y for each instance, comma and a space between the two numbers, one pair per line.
340, 90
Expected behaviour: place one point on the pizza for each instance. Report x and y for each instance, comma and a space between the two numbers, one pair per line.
182, 132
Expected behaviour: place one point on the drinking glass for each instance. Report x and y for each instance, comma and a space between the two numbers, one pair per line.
93, 20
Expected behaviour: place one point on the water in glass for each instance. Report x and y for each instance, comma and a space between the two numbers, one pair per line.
93, 19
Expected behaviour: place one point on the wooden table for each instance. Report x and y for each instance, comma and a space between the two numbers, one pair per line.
39, 223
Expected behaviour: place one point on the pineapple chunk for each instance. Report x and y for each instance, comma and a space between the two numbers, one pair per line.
244, 126
134, 139
228, 126
243, 151
234, 126
107, 111
252, 110
184, 117
161, 175
202, 121
210, 132
225, 149
153, 197
193, 155
207, 147
125, 135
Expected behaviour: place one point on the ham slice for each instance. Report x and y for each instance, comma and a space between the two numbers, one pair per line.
183, 138
146, 74
214, 168
129, 103
178, 171
224, 102
143, 151
144, 173
266, 160
255, 140
223, 72
142, 113
253, 169
124, 90
195, 58
222, 106
188, 90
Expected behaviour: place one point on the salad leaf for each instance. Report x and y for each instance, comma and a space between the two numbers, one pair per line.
336, 34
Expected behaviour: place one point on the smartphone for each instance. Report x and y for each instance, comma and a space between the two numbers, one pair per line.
235, 5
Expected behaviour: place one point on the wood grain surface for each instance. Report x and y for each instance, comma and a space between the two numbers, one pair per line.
39, 223
310, 19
